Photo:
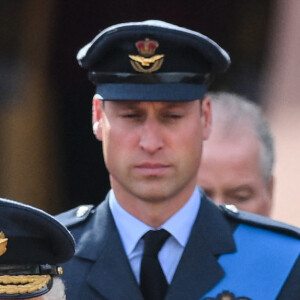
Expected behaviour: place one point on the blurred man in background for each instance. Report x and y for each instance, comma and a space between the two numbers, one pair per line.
57, 291
237, 162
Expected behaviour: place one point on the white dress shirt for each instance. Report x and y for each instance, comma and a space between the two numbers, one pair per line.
132, 229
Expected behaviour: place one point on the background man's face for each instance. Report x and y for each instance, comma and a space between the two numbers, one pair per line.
230, 172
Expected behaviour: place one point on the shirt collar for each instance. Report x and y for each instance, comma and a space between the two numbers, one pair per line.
181, 223
132, 229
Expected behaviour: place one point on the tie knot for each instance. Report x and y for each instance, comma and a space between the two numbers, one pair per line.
154, 239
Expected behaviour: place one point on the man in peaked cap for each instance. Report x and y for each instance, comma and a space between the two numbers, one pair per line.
157, 236
32, 244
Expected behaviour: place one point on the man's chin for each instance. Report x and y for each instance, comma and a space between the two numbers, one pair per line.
154, 194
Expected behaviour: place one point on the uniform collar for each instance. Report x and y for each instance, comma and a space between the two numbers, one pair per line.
132, 229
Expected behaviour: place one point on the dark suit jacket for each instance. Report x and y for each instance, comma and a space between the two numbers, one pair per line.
100, 269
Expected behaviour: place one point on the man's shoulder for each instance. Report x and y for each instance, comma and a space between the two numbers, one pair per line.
76, 216
239, 216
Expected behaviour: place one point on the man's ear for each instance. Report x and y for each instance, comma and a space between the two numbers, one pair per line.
270, 187
206, 116
97, 117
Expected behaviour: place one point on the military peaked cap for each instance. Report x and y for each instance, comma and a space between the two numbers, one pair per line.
32, 244
152, 61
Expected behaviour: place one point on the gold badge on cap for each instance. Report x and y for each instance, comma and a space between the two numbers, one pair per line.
147, 61
3, 243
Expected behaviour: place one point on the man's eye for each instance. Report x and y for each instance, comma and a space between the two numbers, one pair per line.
173, 116
129, 116
241, 198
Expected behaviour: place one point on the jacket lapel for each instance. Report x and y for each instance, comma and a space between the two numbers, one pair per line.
199, 270
110, 273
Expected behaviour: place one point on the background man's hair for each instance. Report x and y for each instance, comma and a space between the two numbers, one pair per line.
57, 291
231, 111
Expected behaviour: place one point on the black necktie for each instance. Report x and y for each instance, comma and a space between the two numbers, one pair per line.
153, 282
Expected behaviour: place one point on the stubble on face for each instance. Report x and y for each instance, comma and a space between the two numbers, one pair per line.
152, 150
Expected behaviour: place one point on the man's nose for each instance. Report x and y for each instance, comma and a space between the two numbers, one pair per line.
151, 139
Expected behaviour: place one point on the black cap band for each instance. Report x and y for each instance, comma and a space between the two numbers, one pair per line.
100, 77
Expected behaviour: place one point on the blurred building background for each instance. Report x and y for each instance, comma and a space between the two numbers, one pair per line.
48, 155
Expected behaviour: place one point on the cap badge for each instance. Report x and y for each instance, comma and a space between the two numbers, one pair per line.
147, 61
3, 243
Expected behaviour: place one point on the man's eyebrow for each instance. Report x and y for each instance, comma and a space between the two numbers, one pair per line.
242, 188
127, 104
171, 106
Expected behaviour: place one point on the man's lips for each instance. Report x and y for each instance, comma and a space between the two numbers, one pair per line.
152, 169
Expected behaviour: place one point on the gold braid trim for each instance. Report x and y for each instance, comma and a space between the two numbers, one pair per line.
22, 284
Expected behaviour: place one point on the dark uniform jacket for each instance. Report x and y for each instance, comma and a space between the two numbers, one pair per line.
101, 270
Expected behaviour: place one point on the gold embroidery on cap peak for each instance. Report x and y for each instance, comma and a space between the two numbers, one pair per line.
146, 62
3, 243
22, 284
